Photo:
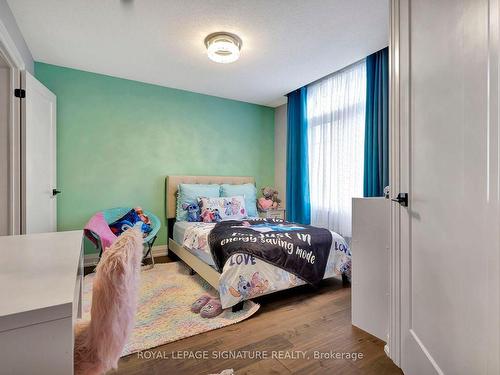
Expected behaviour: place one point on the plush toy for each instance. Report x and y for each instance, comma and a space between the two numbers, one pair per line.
269, 199
264, 204
193, 211
144, 218
217, 216
211, 215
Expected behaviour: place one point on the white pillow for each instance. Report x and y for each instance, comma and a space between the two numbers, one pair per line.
223, 208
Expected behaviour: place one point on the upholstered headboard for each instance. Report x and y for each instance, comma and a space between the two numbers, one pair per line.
172, 182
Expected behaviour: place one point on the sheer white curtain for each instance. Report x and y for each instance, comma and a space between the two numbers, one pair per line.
336, 130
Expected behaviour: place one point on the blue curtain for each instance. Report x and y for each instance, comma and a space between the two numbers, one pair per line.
298, 206
376, 166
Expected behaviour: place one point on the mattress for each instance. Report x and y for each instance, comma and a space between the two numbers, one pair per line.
244, 276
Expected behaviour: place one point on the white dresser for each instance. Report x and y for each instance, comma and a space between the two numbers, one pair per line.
370, 265
40, 300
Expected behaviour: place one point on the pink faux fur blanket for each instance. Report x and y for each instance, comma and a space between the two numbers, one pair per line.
99, 343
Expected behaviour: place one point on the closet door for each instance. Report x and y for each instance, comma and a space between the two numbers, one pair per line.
39, 205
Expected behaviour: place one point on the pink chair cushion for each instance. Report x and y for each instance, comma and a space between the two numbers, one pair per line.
99, 226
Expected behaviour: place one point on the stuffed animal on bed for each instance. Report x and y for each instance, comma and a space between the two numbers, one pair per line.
269, 199
211, 215
193, 211
217, 216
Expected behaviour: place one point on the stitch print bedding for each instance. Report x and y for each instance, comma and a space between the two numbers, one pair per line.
245, 276
299, 249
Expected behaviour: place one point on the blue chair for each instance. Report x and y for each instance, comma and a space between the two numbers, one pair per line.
113, 214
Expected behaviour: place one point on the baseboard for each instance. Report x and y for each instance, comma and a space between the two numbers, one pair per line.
91, 259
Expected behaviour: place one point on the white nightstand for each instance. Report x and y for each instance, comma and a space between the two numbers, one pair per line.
275, 213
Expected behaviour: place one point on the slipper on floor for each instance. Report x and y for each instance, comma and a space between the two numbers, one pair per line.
199, 303
211, 309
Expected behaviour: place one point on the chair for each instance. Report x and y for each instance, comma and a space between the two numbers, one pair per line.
100, 342
113, 214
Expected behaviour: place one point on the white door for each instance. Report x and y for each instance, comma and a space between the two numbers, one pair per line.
447, 135
39, 157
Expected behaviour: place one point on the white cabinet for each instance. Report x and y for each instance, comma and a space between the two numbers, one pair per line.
370, 265
40, 300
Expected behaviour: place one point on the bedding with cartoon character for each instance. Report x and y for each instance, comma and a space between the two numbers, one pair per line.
299, 249
245, 276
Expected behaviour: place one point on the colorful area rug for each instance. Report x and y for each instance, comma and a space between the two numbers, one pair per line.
167, 292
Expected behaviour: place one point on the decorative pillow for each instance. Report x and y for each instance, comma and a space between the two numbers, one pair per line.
218, 209
248, 191
128, 221
189, 194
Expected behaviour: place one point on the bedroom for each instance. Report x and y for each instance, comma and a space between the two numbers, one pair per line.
210, 186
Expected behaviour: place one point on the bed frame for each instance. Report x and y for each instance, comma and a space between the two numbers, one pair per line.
195, 264
201, 268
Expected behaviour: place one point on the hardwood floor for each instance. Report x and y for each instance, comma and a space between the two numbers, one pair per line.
301, 319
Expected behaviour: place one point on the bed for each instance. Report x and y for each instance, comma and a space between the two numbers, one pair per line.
242, 276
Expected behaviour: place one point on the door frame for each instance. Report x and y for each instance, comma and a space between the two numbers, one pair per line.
10, 53
400, 181
399, 140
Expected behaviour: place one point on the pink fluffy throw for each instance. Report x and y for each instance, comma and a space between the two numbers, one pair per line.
99, 343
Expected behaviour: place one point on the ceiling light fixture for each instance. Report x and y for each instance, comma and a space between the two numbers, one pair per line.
223, 47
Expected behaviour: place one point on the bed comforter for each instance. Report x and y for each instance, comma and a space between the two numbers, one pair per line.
246, 276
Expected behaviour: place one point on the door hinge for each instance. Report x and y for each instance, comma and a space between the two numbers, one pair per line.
20, 93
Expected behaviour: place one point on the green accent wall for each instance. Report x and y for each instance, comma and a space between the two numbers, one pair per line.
117, 140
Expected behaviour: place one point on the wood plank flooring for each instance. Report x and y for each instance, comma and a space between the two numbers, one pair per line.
303, 319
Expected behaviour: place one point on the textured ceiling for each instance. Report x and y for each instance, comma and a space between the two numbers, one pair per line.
286, 43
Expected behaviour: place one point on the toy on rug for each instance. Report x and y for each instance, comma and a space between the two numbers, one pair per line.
269, 199
193, 211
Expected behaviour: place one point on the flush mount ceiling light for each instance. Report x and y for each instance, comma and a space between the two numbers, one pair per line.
223, 47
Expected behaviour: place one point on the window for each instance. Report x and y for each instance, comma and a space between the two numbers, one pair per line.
336, 126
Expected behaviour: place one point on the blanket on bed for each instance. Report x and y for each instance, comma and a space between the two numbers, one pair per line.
302, 250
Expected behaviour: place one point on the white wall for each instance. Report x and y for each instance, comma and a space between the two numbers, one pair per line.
280, 133
10, 24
